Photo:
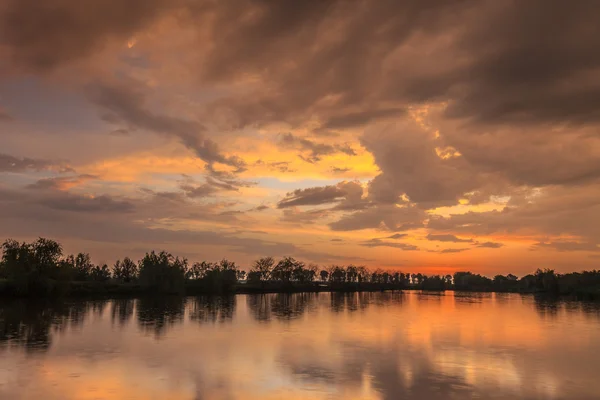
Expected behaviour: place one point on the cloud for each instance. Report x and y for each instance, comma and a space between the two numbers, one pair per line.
554, 212
396, 245
295, 216
447, 238
281, 166
61, 182
507, 112
489, 245
390, 218
211, 186
125, 99
76, 203
347, 194
315, 150
340, 170
14, 164
566, 245
450, 251
43, 37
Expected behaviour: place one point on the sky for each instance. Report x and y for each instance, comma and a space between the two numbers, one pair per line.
422, 135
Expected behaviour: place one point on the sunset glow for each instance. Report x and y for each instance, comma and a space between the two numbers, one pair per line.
427, 138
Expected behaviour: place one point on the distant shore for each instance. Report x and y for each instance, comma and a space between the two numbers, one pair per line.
40, 269
117, 289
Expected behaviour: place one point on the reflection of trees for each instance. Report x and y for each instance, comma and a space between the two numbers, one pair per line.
259, 306
288, 306
213, 309
355, 301
282, 306
158, 313
29, 324
547, 306
121, 311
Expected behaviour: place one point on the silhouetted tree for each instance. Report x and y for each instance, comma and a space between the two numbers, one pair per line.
33, 267
126, 270
284, 269
324, 275
162, 272
264, 266
83, 267
100, 274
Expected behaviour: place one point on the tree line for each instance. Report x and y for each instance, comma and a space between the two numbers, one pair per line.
41, 268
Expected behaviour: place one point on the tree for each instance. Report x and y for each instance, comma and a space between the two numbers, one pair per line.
199, 270
162, 272
324, 275
33, 267
337, 273
241, 275
126, 270
264, 266
254, 277
83, 267
351, 273
100, 274
284, 269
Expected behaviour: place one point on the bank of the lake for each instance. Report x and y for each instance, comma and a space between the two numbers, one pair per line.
194, 288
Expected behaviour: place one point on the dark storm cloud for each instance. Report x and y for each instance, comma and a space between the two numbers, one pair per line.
353, 119
520, 81
314, 149
447, 238
491, 61
44, 35
126, 100
494, 61
15, 164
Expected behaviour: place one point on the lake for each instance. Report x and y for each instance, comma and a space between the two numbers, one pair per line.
407, 345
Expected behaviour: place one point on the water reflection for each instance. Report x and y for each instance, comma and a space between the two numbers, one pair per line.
156, 314
29, 324
212, 309
121, 311
417, 345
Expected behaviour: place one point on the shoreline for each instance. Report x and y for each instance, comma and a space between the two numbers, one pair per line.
76, 290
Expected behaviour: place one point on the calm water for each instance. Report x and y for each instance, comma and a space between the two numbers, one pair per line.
302, 346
